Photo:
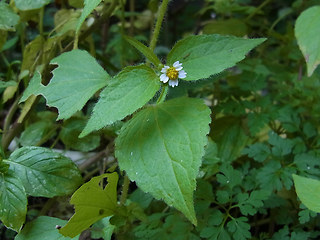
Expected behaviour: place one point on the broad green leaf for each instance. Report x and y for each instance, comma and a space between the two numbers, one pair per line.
89, 6
69, 135
36, 132
308, 190
92, 203
308, 36
8, 18
41, 228
44, 172
74, 81
204, 55
132, 88
13, 201
161, 149
144, 50
30, 4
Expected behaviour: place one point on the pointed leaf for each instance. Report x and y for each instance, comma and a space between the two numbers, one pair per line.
92, 203
13, 201
308, 36
204, 55
132, 88
89, 6
44, 172
161, 149
8, 18
144, 50
308, 190
43, 228
74, 81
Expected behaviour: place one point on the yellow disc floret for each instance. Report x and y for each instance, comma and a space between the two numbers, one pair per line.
172, 73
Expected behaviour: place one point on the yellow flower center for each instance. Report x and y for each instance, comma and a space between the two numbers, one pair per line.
172, 73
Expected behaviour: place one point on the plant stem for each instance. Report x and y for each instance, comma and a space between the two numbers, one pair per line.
257, 10
156, 31
163, 94
125, 188
41, 14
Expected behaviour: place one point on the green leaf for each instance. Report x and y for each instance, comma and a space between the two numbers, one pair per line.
240, 228
204, 55
128, 91
30, 4
281, 146
89, 6
144, 50
308, 190
8, 18
161, 149
258, 151
74, 81
102, 229
41, 228
13, 201
70, 132
308, 36
35, 132
4, 84
305, 214
92, 203
251, 204
44, 172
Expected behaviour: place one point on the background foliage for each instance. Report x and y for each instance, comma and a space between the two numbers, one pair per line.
261, 150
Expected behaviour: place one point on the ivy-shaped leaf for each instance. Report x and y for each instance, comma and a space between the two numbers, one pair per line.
13, 201
44, 172
74, 81
132, 88
204, 55
41, 228
92, 203
161, 149
308, 36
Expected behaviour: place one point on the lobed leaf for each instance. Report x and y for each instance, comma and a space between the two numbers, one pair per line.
204, 55
161, 149
92, 203
132, 88
74, 81
44, 172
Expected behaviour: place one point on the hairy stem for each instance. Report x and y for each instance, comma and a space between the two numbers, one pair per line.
156, 31
163, 94
125, 188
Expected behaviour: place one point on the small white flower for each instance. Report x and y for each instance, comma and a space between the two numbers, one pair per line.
172, 74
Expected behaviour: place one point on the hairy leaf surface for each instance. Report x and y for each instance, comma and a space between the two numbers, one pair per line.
204, 55
161, 149
128, 91
74, 81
